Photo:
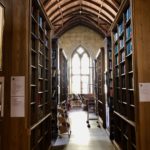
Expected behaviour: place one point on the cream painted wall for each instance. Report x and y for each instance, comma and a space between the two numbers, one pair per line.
81, 35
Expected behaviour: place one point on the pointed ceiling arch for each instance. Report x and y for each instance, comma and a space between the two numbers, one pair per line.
97, 14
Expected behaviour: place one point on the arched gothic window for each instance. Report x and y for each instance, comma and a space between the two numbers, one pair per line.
81, 72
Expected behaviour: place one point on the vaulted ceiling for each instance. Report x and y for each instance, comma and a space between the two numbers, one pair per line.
95, 14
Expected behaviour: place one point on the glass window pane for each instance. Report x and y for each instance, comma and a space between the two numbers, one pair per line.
80, 50
81, 72
76, 86
85, 64
85, 84
91, 76
76, 64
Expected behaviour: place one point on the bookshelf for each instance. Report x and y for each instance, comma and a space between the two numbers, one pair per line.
54, 87
131, 110
123, 72
1, 135
63, 76
40, 103
100, 62
109, 82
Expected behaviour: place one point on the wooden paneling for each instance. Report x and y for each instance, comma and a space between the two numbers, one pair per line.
141, 21
19, 67
6, 73
141, 24
20, 34
144, 125
1, 120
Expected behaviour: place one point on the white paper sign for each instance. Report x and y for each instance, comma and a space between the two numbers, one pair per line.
17, 86
17, 107
144, 92
1, 96
17, 96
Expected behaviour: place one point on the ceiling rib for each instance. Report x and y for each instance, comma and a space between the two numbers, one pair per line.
96, 14
74, 23
88, 8
88, 1
60, 10
77, 13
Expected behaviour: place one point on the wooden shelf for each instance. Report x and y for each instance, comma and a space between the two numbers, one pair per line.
32, 103
130, 89
34, 35
40, 77
33, 18
39, 122
121, 34
63, 76
54, 92
100, 102
130, 72
100, 95
129, 39
128, 22
124, 113
125, 119
33, 50
130, 54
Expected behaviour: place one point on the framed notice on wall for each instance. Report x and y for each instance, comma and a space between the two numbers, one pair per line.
1, 96
1, 32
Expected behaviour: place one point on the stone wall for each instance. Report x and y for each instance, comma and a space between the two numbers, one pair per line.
81, 36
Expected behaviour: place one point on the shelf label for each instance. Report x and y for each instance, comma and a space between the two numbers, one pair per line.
17, 86
17, 96
17, 107
1, 96
144, 92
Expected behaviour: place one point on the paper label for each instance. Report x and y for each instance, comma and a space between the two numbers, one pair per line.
144, 92
17, 96
17, 86
17, 107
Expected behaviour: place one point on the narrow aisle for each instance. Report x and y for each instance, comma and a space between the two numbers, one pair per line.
84, 138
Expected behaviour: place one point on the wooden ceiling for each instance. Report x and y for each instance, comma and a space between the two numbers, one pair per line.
95, 14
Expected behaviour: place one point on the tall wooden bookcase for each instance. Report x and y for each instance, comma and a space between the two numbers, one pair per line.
109, 83
63, 76
100, 96
124, 104
2, 7
131, 74
40, 74
28, 37
55, 99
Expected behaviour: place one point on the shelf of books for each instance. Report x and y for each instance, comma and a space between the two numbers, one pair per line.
124, 105
40, 104
54, 87
63, 77
109, 79
100, 86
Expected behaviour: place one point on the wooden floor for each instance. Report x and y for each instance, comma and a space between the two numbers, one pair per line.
82, 137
